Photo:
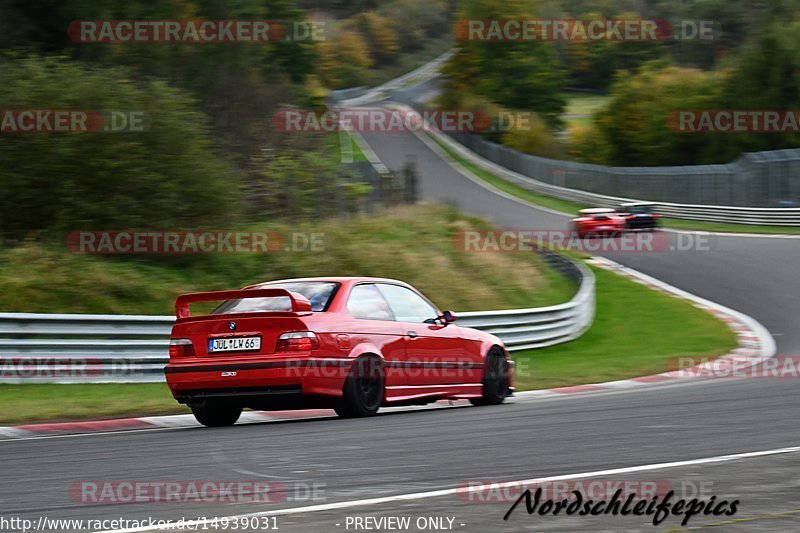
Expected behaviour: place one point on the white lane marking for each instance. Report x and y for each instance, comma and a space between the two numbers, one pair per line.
453, 491
172, 421
733, 234
12, 432
248, 419
97, 433
369, 153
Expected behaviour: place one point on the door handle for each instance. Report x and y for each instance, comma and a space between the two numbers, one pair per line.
412, 334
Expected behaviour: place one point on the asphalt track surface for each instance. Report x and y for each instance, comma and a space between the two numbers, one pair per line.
529, 438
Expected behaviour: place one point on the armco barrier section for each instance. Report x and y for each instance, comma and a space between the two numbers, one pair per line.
49, 348
527, 329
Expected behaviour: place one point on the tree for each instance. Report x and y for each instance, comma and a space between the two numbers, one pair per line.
516, 74
766, 75
533, 137
344, 60
305, 186
166, 177
593, 64
636, 122
380, 36
417, 21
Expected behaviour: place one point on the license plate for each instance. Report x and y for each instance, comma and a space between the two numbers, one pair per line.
234, 344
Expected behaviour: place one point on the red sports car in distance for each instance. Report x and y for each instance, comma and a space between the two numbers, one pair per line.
599, 222
351, 344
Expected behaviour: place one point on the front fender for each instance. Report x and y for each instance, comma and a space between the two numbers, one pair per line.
486, 342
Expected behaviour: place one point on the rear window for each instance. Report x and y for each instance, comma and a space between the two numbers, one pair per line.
319, 293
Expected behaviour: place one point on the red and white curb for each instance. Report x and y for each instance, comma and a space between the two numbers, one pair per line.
755, 346
147, 422
181, 421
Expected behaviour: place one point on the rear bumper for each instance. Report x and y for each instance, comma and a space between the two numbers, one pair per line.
253, 380
602, 233
643, 223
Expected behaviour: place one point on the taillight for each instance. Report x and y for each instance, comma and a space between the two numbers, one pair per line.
297, 341
181, 348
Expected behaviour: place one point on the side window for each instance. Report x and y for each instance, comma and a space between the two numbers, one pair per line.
367, 302
407, 305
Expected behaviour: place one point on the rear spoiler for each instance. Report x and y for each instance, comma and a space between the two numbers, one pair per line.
299, 302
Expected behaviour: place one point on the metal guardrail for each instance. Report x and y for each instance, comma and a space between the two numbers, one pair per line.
358, 96
45, 348
527, 329
61, 348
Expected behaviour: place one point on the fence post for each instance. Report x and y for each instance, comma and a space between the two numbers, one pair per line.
410, 181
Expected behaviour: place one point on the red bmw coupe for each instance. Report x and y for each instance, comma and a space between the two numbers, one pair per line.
599, 222
351, 344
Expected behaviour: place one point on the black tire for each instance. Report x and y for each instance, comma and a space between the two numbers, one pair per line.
495, 379
217, 415
363, 389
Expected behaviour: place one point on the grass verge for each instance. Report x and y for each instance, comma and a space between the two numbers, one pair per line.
581, 106
55, 402
637, 332
412, 243
345, 148
730, 228
568, 207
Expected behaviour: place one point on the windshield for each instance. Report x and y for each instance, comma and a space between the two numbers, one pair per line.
319, 293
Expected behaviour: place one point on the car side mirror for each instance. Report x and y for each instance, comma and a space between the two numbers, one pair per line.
447, 317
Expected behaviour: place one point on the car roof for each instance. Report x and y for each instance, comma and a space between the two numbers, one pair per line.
597, 211
332, 279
